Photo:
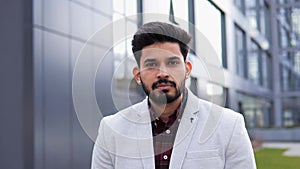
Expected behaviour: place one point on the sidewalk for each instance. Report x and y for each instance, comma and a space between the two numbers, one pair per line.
293, 147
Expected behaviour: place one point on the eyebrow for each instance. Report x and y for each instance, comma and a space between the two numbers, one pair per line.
174, 58
154, 60
149, 60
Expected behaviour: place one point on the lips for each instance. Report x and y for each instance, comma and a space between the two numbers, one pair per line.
164, 86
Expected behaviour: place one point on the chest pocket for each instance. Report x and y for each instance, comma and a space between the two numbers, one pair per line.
128, 163
208, 159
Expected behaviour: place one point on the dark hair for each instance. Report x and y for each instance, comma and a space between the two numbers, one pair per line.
154, 32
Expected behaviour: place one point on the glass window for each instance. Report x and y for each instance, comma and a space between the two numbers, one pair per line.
293, 81
253, 63
258, 14
267, 22
285, 83
130, 8
240, 4
252, 13
283, 37
125, 89
56, 16
152, 6
118, 6
281, 1
297, 81
241, 51
81, 21
297, 62
262, 16
257, 111
37, 12
296, 20
216, 94
105, 6
194, 85
212, 30
291, 112
281, 13
180, 9
266, 70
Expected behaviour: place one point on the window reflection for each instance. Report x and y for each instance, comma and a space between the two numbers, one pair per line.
125, 89
212, 30
252, 13
258, 14
240, 4
253, 63
285, 78
180, 9
297, 62
283, 37
256, 110
291, 112
241, 51
266, 70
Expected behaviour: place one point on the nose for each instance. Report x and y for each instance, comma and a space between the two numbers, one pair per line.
162, 73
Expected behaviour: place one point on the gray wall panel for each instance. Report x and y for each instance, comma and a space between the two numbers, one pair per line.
82, 145
81, 21
16, 95
56, 15
57, 102
103, 85
38, 99
104, 6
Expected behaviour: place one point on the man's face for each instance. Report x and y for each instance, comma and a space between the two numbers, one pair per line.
162, 72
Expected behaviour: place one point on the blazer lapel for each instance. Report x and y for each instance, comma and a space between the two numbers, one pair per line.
185, 131
144, 135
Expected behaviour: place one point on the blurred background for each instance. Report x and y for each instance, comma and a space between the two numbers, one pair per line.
257, 43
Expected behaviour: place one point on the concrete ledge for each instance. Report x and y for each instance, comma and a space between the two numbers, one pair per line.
293, 149
276, 134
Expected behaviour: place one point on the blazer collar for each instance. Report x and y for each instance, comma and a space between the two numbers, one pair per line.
183, 136
185, 131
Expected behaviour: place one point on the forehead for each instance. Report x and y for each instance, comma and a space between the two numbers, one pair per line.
160, 50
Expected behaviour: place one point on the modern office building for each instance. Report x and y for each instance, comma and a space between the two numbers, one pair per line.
245, 53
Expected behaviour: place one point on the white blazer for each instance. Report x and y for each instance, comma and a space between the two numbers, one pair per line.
208, 137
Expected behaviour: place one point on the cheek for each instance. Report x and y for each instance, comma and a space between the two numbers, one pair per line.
178, 76
147, 78
178, 71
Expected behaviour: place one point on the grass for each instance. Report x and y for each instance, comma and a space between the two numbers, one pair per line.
269, 158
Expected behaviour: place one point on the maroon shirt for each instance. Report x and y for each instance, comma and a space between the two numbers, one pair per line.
164, 135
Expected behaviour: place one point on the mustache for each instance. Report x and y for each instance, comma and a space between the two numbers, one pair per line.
160, 81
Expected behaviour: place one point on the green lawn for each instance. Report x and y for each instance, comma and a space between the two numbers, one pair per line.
268, 158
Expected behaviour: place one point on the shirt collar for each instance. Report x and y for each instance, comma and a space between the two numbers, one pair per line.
179, 110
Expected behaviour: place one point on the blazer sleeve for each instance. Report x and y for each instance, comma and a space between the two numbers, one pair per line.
101, 158
239, 154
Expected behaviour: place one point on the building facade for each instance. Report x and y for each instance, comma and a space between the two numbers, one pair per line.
253, 45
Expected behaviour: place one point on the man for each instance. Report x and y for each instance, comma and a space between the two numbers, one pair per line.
171, 128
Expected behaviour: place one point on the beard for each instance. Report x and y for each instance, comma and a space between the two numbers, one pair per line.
161, 96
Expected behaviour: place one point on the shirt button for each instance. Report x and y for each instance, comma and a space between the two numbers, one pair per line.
168, 131
165, 157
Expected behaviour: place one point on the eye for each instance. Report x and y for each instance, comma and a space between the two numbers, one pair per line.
151, 64
173, 62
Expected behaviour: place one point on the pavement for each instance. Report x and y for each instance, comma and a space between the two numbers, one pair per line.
293, 147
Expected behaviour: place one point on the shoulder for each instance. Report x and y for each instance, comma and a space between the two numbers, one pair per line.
224, 114
126, 117
208, 111
218, 121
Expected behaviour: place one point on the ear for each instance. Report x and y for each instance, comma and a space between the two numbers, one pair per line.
137, 75
188, 68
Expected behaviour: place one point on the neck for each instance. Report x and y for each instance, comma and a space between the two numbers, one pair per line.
166, 110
